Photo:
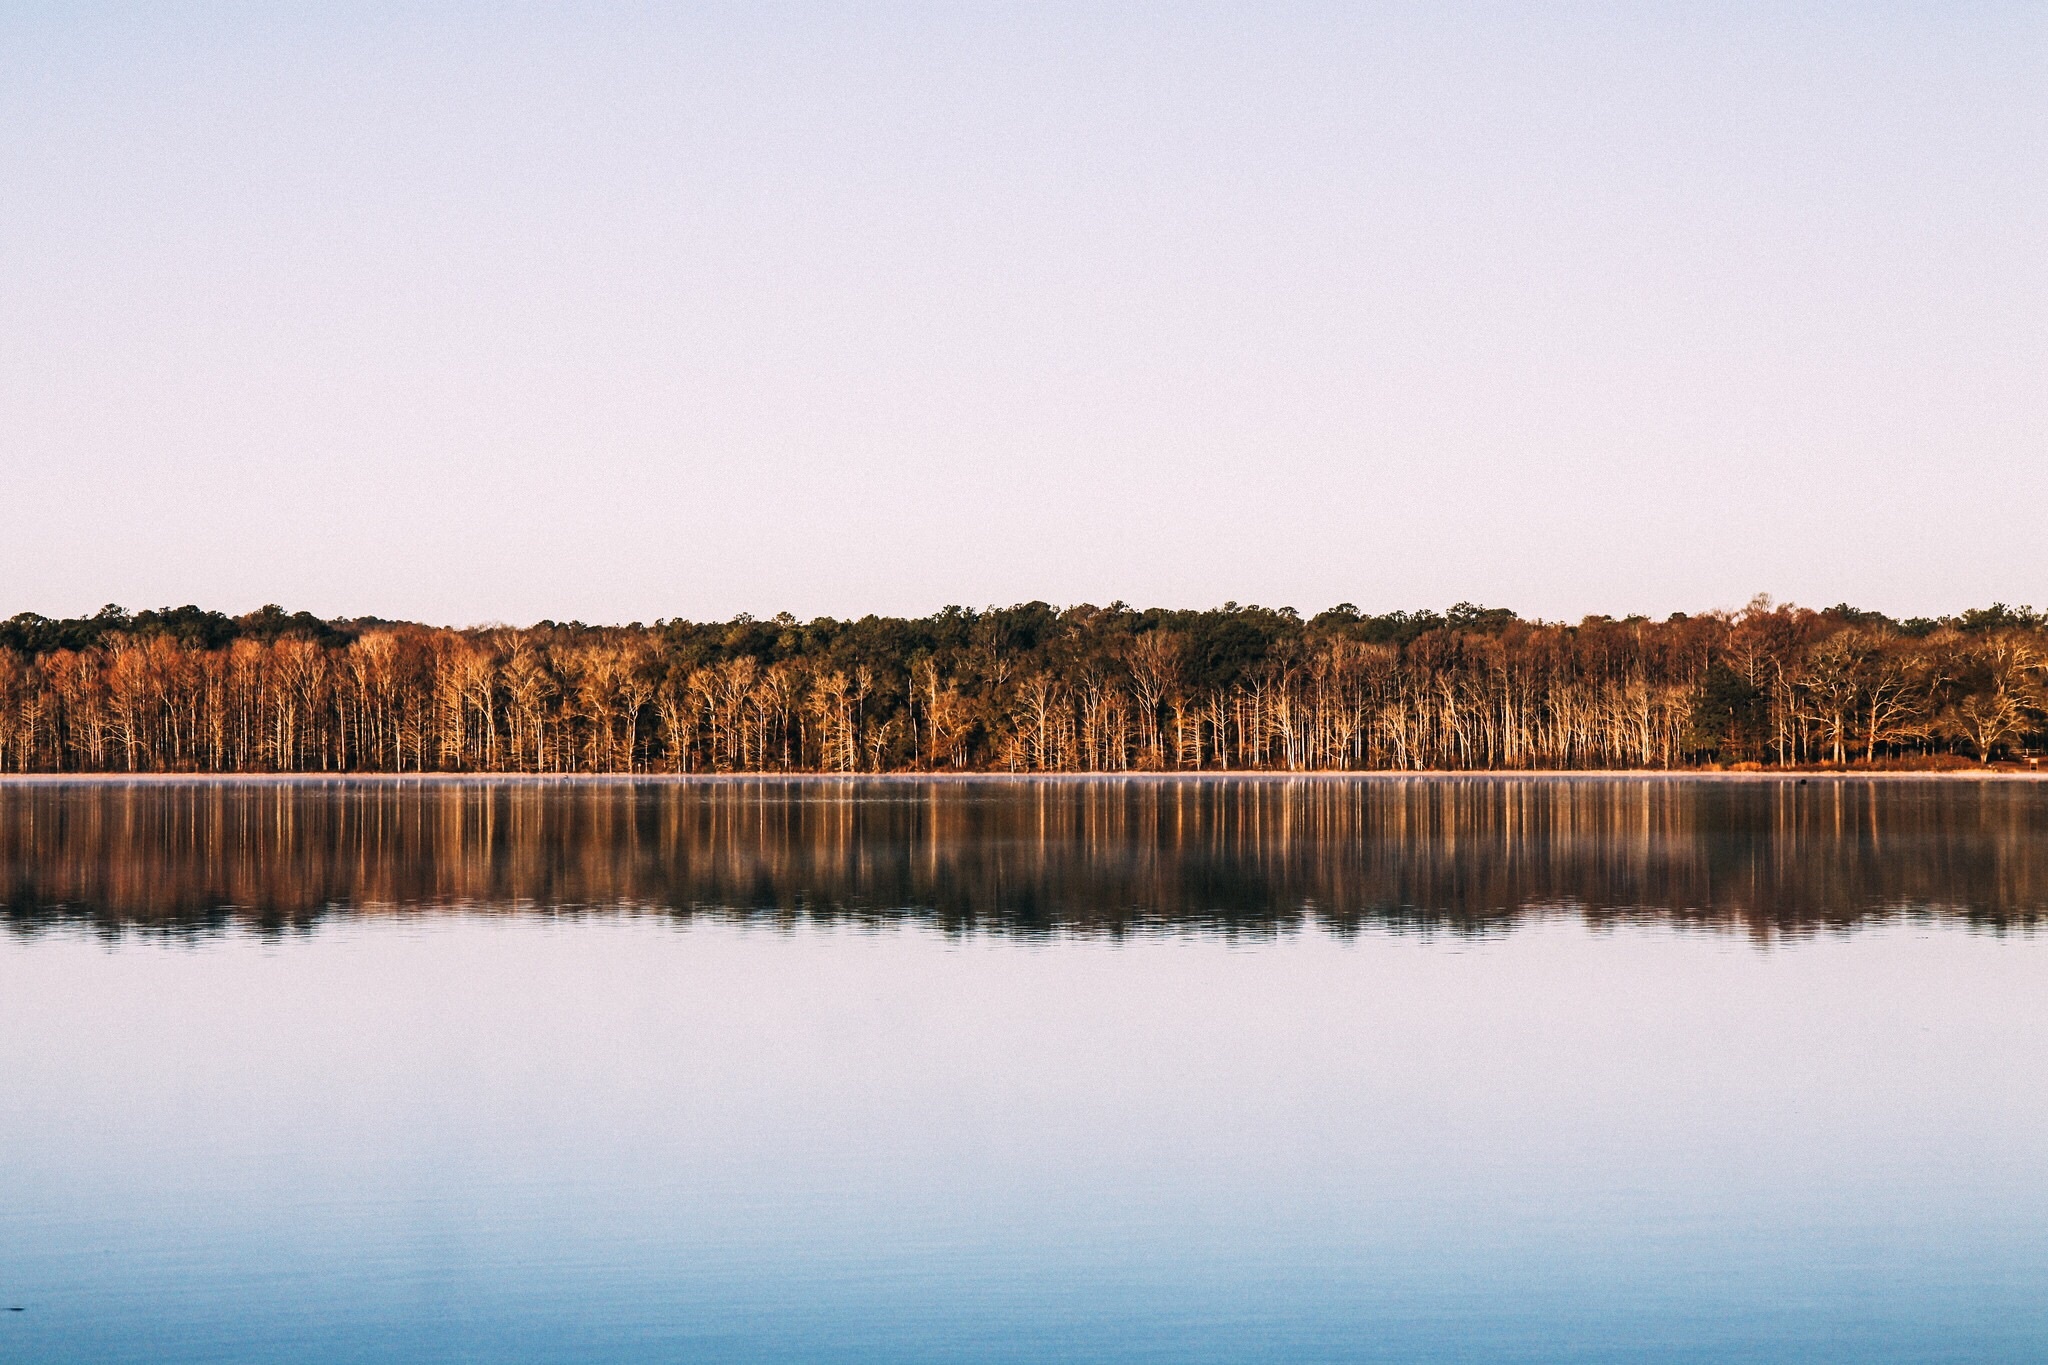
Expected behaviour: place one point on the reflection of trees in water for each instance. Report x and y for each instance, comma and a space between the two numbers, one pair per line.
1091, 856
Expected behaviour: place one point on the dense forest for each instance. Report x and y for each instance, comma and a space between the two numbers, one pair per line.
1029, 688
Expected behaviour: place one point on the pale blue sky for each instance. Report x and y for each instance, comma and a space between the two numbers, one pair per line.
501, 312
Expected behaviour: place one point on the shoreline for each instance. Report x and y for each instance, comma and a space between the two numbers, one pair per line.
1227, 776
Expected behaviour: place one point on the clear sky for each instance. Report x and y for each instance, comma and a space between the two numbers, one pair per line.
497, 312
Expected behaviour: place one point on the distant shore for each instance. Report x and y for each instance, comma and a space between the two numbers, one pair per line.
1999, 774
1028, 689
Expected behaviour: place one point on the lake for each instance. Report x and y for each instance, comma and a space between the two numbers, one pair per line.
1252, 1069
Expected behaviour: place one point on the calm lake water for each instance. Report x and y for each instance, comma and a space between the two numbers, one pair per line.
1252, 1070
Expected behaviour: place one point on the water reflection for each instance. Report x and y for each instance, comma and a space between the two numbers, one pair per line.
1112, 856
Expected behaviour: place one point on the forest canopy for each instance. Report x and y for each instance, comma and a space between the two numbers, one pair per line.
1029, 688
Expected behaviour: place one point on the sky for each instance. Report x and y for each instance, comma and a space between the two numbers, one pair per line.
503, 312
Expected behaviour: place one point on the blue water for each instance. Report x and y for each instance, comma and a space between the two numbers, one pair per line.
460, 1133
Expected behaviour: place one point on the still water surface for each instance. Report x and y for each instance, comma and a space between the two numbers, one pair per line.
1260, 1070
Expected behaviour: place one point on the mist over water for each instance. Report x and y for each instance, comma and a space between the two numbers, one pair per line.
1123, 1070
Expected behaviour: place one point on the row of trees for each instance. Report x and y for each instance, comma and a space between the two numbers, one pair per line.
1026, 689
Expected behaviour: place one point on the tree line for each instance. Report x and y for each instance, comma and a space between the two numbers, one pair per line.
1029, 688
